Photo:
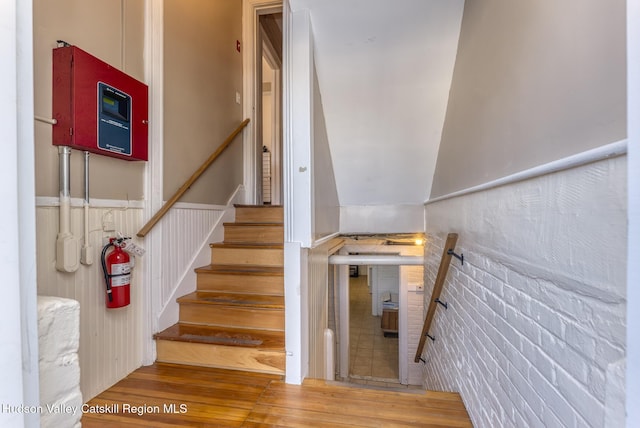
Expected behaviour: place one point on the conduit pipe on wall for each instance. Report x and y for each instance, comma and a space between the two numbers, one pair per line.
357, 259
67, 257
86, 253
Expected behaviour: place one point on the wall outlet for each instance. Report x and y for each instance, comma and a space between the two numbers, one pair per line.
419, 287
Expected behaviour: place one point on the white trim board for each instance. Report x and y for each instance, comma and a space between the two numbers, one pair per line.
250, 10
599, 153
54, 201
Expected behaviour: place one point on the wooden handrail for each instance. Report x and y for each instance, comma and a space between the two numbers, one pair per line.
445, 261
187, 184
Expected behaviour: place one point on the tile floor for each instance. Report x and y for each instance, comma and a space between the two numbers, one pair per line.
373, 357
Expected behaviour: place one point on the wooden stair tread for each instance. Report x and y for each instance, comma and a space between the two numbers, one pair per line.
224, 336
250, 246
233, 299
235, 224
257, 206
241, 270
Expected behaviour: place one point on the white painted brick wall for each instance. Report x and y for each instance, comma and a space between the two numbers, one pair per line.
58, 341
535, 330
414, 326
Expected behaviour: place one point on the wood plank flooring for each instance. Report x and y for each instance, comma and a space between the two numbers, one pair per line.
167, 395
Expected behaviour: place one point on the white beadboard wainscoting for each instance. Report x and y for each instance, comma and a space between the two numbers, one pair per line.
110, 339
318, 309
187, 231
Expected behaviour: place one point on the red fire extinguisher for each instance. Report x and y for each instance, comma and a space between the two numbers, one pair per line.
117, 274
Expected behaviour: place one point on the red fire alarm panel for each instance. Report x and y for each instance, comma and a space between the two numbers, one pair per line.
98, 108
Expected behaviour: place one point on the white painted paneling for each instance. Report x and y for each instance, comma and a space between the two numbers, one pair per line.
183, 233
296, 320
298, 158
18, 316
326, 220
318, 309
187, 231
535, 333
110, 339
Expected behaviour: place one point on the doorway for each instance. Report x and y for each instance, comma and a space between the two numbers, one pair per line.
263, 37
269, 133
373, 325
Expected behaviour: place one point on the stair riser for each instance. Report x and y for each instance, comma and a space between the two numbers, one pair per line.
239, 234
241, 283
225, 357
246, 256
259, 215
268, 319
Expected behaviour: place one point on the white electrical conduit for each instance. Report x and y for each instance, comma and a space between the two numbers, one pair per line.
64, 159
373, 259
67, 257
86, 198
86, 254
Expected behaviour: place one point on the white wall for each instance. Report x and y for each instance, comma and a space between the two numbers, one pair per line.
633, 272
535, 333
18, 316
202, 74
384, 70
326, 216
534, 81
381, 219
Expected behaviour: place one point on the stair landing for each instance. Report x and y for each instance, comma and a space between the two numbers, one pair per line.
216, 397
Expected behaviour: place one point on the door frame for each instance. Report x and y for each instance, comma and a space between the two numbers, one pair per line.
252, 64
276, 128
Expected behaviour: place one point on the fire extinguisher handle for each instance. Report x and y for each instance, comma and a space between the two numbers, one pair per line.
104, 270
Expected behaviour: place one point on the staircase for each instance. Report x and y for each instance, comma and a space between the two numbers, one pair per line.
235, 318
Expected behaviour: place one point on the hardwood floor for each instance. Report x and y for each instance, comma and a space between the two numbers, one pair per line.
167, 395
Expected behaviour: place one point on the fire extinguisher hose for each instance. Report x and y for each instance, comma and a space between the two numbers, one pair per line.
107, 276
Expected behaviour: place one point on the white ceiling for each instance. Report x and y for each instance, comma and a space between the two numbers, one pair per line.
384, 69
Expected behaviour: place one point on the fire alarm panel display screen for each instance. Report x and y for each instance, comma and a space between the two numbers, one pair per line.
114, 127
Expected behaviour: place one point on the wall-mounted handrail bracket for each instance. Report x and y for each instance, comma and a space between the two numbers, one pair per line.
457, 256
433, 339
445, 304
423, 360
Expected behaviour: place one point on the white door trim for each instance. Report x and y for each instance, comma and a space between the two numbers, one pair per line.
250, 49
276, 128
153, 175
